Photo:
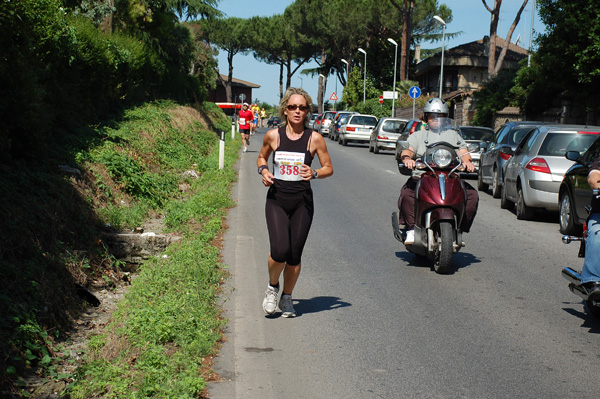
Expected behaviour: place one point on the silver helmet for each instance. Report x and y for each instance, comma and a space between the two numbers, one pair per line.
436, 105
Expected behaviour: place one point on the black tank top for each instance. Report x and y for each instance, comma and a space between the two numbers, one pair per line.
288, 166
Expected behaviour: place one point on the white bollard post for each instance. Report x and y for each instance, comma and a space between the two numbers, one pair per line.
222, 151
232, 130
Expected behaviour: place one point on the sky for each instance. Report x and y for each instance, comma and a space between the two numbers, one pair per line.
468, 16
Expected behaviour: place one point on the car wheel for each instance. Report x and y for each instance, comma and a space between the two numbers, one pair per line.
376, 149
496, 184
481, 186
345, 142
371, 146
505, 203
523, 211
566, 214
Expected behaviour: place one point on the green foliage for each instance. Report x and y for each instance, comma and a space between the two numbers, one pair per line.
60, 69
566, 65
493, 96
356, 90
169, 322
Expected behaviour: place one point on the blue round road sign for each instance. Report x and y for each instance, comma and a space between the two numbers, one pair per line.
414, 92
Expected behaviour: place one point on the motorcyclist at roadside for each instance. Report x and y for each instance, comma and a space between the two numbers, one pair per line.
590, 275
435, 114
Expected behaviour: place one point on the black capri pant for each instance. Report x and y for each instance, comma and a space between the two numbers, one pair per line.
289, 216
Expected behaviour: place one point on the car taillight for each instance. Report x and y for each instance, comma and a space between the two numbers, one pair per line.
383, 137
538, 165
350, 129
412, 129
504, 156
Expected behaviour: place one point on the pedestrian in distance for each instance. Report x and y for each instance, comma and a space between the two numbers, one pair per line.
244, 123
289, 206
263, 117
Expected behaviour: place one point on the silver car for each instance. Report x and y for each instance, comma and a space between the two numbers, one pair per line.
357, 129
534, 172
385, 134
326, 123
476, 135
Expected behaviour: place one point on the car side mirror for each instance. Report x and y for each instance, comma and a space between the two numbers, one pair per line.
483, 145
572, 155
507, 151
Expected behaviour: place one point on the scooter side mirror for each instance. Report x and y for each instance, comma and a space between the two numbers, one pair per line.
474, 147
401, 145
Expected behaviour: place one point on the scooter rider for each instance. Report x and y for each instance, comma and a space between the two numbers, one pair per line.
590, 275
435, 113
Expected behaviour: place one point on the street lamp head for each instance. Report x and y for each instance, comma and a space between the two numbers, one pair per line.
345, 62
393, 42
321, 75
362, 51
440, 20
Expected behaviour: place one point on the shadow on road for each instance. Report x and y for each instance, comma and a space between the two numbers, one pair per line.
318, 304
589, 321
459, 260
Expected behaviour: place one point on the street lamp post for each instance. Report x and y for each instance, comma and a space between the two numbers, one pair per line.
394, 89
301, 81
364, 75
441, 21
322, 92
347, 75
347, 69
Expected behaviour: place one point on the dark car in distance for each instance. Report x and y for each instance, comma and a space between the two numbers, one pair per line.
575, 193
274, 121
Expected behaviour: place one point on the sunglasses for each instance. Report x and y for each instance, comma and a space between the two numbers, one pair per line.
295, 107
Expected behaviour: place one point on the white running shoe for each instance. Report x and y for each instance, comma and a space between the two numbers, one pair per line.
245, 149
286, 306
410, 237
270, 301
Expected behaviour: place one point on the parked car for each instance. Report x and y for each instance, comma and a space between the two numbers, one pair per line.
325, 122
411, 126
273, 121
476, 135
357, 129
311, 122
385, 134
492, 159
575, 193
335, 124
334, 133
535, 170
317, 122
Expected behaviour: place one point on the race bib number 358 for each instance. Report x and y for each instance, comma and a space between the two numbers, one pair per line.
288, 165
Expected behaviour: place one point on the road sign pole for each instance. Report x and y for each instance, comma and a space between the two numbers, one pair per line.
414, 100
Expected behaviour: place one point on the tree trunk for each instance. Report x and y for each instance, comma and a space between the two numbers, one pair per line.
228, 93
508, 37
280, 82
494, 65
495, 12
406, 10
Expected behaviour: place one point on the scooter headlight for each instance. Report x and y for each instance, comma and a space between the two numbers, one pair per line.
442, 157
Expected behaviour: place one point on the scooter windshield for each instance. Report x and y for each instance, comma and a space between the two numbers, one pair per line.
438, 124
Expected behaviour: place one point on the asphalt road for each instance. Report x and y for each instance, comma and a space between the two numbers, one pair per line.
375, 322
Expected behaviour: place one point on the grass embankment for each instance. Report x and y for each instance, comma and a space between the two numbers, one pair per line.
159, 342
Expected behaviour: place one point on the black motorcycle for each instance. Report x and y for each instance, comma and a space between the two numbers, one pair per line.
574, 276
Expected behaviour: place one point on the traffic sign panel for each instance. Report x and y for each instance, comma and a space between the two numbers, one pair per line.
333, 97
414, 92
380, 99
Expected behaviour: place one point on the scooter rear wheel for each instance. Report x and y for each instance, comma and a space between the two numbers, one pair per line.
593, 307
443, 255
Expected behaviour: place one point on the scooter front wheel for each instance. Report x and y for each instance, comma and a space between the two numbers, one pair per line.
443, 254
